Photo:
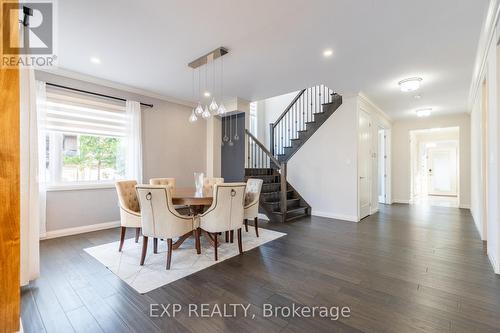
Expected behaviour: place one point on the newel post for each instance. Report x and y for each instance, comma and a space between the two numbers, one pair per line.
283, 190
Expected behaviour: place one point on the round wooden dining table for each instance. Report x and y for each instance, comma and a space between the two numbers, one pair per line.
197, 202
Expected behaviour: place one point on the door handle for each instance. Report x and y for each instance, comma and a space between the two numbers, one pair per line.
361, 177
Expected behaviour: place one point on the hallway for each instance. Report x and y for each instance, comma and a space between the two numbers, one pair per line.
408, 268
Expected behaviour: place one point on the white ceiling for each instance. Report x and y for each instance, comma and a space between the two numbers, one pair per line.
276, 46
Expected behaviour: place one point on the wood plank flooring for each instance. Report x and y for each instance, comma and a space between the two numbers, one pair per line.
404, 269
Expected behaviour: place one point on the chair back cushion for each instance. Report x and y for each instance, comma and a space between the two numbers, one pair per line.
162, 181
226, 211
252, 191
127, 195
208, 183
159, 218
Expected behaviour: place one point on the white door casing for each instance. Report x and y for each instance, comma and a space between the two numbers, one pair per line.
364, 167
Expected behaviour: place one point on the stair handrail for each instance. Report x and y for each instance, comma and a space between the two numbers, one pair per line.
289, 107
264, 149
282, 169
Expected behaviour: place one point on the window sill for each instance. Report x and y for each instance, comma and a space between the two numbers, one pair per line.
76, 187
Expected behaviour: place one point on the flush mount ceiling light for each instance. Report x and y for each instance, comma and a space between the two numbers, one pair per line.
95, 60
327, 53
423, 112
410, 84
206, 94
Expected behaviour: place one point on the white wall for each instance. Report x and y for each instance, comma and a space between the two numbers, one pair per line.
401, 173
268, 111
487, 67
324, 170
172, 147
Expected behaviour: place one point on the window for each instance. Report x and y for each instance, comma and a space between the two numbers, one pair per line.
85, 139
253, 118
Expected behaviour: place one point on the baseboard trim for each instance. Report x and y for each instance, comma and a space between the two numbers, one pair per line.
401, 201
79, 230
464, 206
350, 218
494, 264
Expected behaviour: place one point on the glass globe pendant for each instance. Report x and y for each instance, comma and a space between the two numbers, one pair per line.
199, 109
206, 114
213, 106
221, 110
192, 118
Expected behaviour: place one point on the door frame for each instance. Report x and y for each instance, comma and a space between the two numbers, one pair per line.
369, 158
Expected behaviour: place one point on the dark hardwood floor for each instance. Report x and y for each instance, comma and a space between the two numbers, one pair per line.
404, 269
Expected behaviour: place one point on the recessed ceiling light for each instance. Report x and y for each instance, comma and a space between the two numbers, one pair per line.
95, 60
417, 96
410, 84
206, 94
423, 112
327, 53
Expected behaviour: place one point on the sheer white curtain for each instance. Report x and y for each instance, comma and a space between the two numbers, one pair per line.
133, 165
32, 182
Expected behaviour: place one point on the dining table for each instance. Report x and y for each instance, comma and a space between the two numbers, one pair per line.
197, 201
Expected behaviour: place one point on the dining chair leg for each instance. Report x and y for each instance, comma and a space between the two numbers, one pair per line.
197, 236
122, 238
137, 234
256, 224
215, 246
144, 249
246, 225
227, 236
169, 252
231, 236
240, 247
155, 245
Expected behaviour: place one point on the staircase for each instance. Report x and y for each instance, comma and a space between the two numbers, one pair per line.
305, 114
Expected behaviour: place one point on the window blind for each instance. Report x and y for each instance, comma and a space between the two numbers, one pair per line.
78, 113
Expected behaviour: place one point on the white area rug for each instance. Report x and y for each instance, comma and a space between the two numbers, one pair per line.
185, 261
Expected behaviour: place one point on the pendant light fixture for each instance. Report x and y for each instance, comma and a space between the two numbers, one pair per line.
236, 136
192, 118
206, 111
225, 138
230, 132
221, 109
199, 108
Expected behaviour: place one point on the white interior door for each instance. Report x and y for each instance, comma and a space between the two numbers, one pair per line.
442, 171
364, 169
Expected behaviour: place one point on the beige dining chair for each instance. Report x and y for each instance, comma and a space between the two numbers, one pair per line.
162, 181
209, 182
225, 213
130, 214
251, 209
161, 220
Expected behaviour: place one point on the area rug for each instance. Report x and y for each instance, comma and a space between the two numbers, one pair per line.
185, 261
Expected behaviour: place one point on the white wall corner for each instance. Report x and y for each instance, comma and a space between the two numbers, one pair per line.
79, 230
350, 218
375, 109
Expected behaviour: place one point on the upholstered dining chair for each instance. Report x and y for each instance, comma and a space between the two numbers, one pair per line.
162, 181
225, 213
209, 182
130, 213
161, 220
251, 209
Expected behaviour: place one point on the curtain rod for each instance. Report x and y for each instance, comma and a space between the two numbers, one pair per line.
93, 93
